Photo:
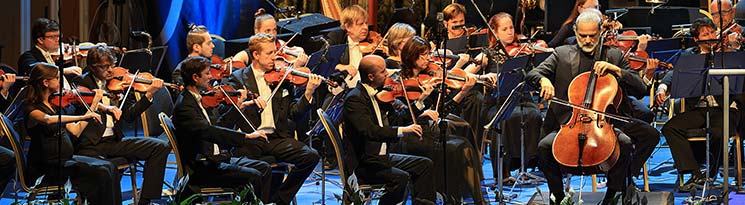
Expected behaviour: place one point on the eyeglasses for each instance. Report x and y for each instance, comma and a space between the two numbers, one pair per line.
53, 36
716, 14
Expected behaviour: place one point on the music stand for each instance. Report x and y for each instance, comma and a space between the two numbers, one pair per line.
156, 61
136, 59
458, 45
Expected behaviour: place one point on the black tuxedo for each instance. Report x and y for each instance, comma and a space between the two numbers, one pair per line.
282, 144
196, 135
153, 150
27, 58
339, 37
562, 66
365, 135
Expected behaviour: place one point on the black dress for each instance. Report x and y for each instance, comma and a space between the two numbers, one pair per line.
51, 155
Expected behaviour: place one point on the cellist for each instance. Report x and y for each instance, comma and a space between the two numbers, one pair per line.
563, 65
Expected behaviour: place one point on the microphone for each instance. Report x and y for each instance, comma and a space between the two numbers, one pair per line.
320, 38
145, 35
457, 27
621, 10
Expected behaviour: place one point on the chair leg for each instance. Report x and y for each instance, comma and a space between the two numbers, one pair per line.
738, 151
133, 179
646, 177
594, 183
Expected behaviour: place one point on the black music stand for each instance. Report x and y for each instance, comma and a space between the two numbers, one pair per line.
458, 45
136, 60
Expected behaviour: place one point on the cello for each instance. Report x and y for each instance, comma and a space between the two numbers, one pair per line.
587, 142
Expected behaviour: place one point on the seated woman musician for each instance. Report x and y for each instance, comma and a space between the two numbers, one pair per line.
265, 23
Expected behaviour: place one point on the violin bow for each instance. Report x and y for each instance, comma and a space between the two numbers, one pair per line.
381, 41
406, 96
87, 107
129, 89
236, 107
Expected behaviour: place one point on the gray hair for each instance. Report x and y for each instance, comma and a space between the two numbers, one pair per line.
589, 15
397, 34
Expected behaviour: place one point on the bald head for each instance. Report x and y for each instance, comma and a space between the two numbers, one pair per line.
727, 12
372, 70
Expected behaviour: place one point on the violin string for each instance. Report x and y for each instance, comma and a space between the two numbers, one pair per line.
83, 101
126, 93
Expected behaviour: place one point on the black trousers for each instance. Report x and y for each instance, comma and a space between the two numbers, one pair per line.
406, 168
152, 150
287, 150
552, 170
237, 173
7, 166
680, 148
645, 139
96, 180
512, 129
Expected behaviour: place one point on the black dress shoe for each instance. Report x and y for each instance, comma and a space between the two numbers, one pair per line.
696, 181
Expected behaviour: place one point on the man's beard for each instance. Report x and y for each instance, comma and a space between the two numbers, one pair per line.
588, 47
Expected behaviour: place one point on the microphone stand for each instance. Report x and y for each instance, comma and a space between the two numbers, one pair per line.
442, 124
60, 62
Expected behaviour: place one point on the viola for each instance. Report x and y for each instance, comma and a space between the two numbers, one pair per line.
638, 60
587, 141
123, 79
393, 89
223, 94
69, 97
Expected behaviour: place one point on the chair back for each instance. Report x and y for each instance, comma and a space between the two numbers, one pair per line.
336, 141
16, 142
170, 132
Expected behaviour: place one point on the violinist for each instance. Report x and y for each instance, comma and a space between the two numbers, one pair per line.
727, 15
203, 143
562, 36
695, 115
272, 112
526, 114
7, 81
106, 140
454, 15
44, 157
366, 126
461, 151
563, 65
198, 43
398, 35
46, 36
354, 30
265, 23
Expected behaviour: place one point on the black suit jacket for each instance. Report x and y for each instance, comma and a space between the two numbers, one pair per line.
195, 135
284, 106
563, 65
130, 111
339, 37
362, 131
27, 58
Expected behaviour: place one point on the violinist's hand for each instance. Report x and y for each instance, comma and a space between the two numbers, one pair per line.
602, 67
547, 89
301, 60
427, 89
351, 70
643, 42
652, 65
116, 112
73, 70
431, 114
413, 129
462, 61
153, 88
260, 103
660, 97
92, 115
257, 135
489, 77
733, 40
470, 82
243, 95
313, 82
9, 79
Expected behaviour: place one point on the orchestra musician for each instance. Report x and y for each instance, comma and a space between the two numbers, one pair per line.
727, 15
265, 23
203, 142
563, 65
676, 128
7, 157
106, 140
46, 36
526, 114
367, 130
273, 117
44, 156
462, 158
198, 43
354, 30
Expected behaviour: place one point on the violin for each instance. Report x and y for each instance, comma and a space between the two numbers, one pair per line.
123, 79
288, 54
74, 53
587, 141
638, 60
297, 76
220, 69
393, 89
18, 77
517, 49
438, 58
624, 41
223, 94
455, 79
374, 44
84, 95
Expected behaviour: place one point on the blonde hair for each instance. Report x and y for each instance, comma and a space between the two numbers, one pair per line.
494, 23
452, 10
352, 14
260, 16
254, 43
396, 36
